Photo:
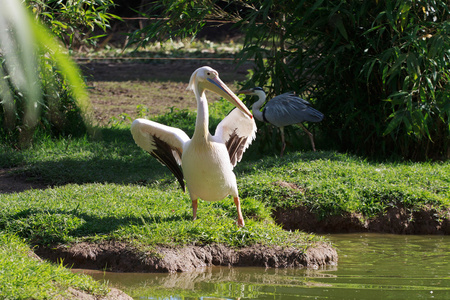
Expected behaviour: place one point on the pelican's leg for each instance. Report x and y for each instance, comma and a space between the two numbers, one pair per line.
311, 137
194, 208
283, 142
240, 220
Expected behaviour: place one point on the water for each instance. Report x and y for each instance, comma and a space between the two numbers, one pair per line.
371, 266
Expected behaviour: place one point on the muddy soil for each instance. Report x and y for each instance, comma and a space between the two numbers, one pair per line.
121, 257
14, 181
177, 71
396, 220
124, 89
114, 294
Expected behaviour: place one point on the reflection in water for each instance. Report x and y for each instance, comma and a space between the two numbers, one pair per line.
371, 266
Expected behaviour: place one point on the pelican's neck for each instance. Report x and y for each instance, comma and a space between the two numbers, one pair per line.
257, 106
202, 122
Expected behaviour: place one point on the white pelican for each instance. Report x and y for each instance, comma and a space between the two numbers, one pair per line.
207, 160
283, 110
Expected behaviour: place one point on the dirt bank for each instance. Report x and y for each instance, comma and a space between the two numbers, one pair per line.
114, 294
121, 257
397, 220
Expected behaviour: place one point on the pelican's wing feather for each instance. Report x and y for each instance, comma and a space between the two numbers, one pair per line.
236, 131
163, 142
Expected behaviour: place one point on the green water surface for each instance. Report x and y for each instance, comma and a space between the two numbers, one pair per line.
371, 266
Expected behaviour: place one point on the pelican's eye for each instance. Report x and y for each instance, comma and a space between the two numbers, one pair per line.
209, 73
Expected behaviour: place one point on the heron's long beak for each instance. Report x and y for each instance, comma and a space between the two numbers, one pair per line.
245, 92
220, 88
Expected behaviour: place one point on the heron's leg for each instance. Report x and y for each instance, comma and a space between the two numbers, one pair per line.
194, 208
240, 220
311, 137
283, 142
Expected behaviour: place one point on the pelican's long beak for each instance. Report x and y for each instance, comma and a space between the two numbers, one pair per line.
220, 88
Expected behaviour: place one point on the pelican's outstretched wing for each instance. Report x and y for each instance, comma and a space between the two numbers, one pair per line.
236, 131
163, 142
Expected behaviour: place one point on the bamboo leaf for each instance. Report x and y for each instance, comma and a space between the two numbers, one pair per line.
408, 125
396, 67
412, 66
399, 94
340, 26
17, 44
48, 44
369, 70
393, 124
7, 101
431, 87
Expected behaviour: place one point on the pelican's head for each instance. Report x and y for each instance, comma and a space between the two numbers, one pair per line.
208, 78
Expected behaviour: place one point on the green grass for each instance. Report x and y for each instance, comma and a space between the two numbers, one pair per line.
106, 188
25, 277
330, 183
144, 215
110, 189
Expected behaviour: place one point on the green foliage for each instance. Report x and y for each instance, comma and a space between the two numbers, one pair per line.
56, 104
378, 70
40, 87
18, 69
362, 63
184, 18
384, 63
179, 118
73, 21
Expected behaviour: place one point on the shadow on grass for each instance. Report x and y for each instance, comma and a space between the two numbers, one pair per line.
256, 161
113, 157
95, 170
42, 227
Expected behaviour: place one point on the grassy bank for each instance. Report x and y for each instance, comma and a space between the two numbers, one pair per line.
142, 215
331, 183
328, 183
106, 188
110, 189
24, 276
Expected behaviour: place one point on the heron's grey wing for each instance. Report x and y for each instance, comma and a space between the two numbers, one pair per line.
163, 142
287, 109
236, 131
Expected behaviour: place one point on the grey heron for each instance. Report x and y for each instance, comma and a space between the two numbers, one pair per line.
205, 161
283, 110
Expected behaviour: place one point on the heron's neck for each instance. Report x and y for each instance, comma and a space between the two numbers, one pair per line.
257, 106
202, 122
